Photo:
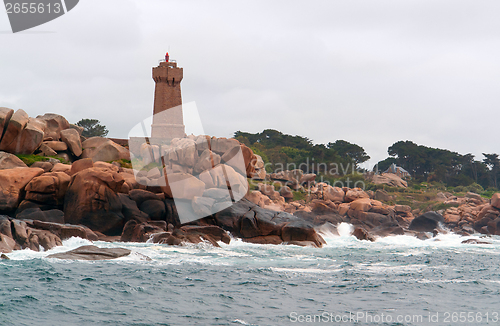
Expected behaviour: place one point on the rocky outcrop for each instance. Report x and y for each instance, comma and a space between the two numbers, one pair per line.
135, 231
92, 200
103, 149
427, 222
301, 233
389, 179
5, 115
48, 188
362, 234
289, 178
495, 200
53, 215
30, 139
334, 194
247, 220
197, 191
81, 165
55, 123
13, 130
92, 253
10, 161
12, 183
72, 138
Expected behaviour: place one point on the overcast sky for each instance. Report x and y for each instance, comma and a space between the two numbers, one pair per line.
369, 72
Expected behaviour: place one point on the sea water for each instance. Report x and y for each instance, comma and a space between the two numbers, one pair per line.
397, 280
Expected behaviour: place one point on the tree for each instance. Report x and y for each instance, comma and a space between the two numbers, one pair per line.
353, 151
92, 128
493, 163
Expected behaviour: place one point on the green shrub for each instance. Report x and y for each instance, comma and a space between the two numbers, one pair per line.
417, 186
404, 202
489, 192
30, 159
477, 188
444, 206
123, 163
298, 195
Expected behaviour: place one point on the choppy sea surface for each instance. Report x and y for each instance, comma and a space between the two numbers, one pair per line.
396, 280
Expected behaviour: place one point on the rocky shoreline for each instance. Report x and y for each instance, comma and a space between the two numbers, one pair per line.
48, 202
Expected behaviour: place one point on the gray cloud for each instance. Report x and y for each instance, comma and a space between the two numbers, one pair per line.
370, 72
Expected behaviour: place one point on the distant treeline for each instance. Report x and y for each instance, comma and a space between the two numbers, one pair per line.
451, 168
280, 151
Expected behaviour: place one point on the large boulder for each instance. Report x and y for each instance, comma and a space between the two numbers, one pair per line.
130, 209
292, 176
77, 128
301, 231
355, 193
10, 161
362, 204
48, 188
31, 137
382, 195
43, 238
222, 145
215, 232
307, 179
27, 204
56, 145
249, 159
5, 226
495, 200
240, 158
12, 183
46, 150
248, 220
135, 231
45, 165
183, 186
53, 215
103, 149
55, 123
79, 165
389, 179
335, 194
362, 234
14, 128
60, 167
72, 138
182, 151
92, 200
202, 206
427, 222
140, 196
224, 176
92, 253
5, 115
7, 244
154, 208
66, 231
207, 160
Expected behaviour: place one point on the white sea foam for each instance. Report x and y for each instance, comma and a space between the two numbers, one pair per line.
204, 253
305, 270
345, 229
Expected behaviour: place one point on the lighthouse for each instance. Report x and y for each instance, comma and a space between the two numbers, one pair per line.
168, 122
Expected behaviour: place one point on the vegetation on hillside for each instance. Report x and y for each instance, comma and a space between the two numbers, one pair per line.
339, 162
440, 165
29, 159
286, 152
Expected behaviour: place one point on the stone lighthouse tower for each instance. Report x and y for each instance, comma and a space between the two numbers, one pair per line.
167, 119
